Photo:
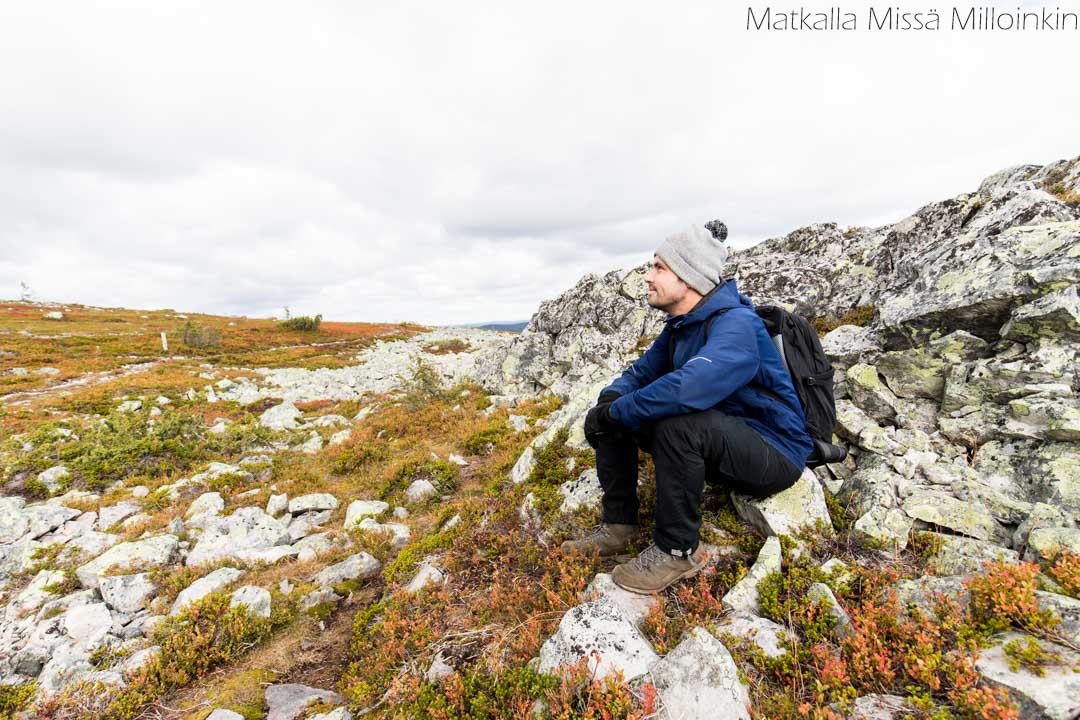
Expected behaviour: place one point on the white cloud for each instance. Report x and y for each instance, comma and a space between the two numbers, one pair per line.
464, 161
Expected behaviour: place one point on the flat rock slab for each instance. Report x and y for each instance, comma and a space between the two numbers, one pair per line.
355, 566
959, 516
288, 701
962, 556
1055, 695
360, 509
314, 501
247, 529
151, 552
781, 514
763, 632
127, 593
600, 631
699, 680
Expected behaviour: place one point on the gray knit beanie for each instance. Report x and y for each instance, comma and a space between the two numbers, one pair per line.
696, 255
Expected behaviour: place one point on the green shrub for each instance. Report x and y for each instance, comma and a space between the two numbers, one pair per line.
200, 336
302, 322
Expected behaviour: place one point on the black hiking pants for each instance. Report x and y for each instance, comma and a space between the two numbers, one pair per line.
688, 451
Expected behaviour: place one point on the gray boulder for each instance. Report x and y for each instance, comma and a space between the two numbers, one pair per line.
600, 631
699, 680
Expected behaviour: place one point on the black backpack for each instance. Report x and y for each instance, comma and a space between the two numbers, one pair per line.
810, 371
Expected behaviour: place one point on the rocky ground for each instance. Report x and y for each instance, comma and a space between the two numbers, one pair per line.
362, 521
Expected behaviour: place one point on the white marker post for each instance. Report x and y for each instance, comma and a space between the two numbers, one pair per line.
164, 342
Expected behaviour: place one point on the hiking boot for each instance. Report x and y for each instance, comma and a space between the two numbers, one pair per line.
610, 540
653, 570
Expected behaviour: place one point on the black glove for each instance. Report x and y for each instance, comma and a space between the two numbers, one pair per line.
608, 396
598, 421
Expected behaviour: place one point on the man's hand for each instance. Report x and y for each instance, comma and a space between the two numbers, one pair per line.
598, 421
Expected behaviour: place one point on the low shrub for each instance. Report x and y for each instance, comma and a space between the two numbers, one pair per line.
303, 323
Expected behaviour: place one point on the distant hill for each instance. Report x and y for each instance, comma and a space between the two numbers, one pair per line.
515, 326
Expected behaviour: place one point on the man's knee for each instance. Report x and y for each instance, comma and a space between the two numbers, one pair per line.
681, 431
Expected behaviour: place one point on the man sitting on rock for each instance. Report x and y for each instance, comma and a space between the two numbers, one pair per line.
710, 405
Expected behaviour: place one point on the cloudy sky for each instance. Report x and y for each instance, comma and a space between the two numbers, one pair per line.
463, 161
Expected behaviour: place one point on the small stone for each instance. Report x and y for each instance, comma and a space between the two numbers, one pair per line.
360, 565
428, 574
359, 509
217, 580
53, 478
277, 504
221, 714
210, 503
315, 501
419, 491
288, 701
256, 599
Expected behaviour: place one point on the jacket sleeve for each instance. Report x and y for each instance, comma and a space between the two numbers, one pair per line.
726, 363
646, 368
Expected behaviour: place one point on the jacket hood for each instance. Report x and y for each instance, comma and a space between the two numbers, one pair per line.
725, 295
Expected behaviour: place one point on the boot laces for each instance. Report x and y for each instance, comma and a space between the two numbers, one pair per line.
650, 556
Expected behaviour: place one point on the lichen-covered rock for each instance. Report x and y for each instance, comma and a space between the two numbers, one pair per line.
958, 555
280, 417
360, 509
245, 535
822, 596
427, 574
600, 631
1055, 315
764, 633
635, 605
13, 521
941, 510
1045, 543
913, 373
288, 701
314, 501
801, 505
887, 527
870, 394
254, 598
1054, 695
127, 593
743, 596
151, 552
213, 582
210, 503
360, 565
699, 680
420, 490
583, 491
583, 336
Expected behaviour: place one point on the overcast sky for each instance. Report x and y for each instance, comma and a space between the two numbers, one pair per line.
462, 161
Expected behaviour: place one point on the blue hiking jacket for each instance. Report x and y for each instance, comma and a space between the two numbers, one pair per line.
725, 374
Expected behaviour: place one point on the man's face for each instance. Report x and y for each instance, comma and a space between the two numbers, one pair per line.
666, 290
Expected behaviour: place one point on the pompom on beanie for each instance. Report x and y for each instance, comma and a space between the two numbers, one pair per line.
697, 255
